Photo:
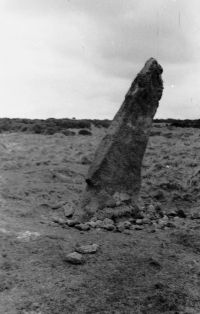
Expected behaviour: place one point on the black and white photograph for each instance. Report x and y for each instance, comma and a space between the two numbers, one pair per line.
99, 157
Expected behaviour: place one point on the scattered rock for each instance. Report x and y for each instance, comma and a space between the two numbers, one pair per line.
69, 210
161, 223
82, 227
158, 195
154, 211
108, 224
98, 229
121, 198
151, 208
121, 226
166, 228
171, 213
178, 221
92, 224
72, 222
170, 224
180, 213
146, 221
99, 223
59, 220
195, 214
87, 249
127, 231
139, 222
137, 227
95, 223
151, 230
127, 224
74, 258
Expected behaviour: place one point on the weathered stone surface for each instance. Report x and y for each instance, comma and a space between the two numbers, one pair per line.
82, 227
121, 226
92, 224
68, 210
114, 176
136, 227
87, 249
108, 224
59, 220
74, 258
72, 222
146, 221
195, 213
139, 222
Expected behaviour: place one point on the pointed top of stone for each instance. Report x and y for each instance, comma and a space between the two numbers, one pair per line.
151, 65
116, 169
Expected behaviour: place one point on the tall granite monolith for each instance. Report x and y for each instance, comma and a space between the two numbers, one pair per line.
114, 177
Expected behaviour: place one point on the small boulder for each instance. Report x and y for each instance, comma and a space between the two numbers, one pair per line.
87, 249
99, 223
170, 224
146, 221
137, 227
151, 208
139, 222
121, 226
121, 198
165, 218
127, 231
92, 224
82, 227
180, 213
161, 223
171, 213
158, 195
72, 222
95, 223
108, 224
68, 210
59, 220
195, 214
74, 258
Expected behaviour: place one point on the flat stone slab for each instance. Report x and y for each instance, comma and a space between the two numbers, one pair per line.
87, 249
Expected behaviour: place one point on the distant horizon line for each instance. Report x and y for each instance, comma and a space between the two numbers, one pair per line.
75, 118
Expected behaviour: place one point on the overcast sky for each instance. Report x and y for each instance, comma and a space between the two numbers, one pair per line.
77, 58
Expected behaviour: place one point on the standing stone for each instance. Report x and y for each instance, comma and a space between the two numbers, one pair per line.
115, 172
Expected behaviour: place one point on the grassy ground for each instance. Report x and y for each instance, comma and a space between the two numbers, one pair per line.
139, 273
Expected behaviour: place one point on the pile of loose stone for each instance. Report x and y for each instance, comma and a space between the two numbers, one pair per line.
151, 219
